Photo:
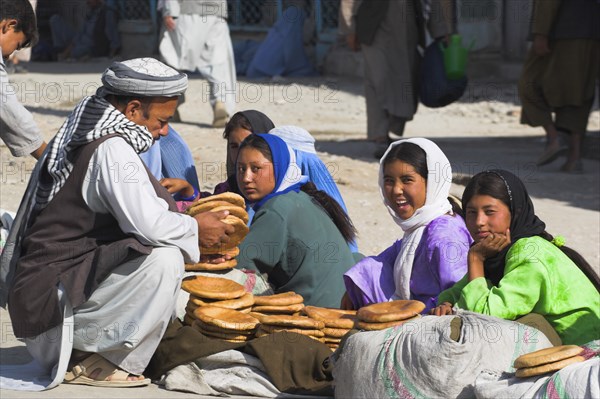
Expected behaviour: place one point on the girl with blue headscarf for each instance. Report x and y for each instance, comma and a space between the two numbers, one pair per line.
299, 235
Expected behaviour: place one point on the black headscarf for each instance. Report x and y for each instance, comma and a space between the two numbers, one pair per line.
259, 123
523, 221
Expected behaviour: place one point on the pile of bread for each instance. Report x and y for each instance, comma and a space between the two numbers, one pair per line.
336, 323
238, 218
548, 360
221, 308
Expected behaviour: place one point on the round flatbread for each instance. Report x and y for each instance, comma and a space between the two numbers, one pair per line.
226, 318
292, 321
235, 238
547, 355
202, 301
213, 287
333, 318
228, 196
287, 309
382, 326
257, 315
548, 367
244, 302
228, 264
283, 299
335, 332
304, 331
209, 327
390, 311
220, 334
194, 210
233, 210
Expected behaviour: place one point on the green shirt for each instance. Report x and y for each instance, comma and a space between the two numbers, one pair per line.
296, 243
538, 278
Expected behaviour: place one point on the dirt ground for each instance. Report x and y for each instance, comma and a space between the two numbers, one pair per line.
481, 131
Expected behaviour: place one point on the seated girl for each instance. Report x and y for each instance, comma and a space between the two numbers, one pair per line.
515, 267
303, 144
241, 125
414, 179
299, 236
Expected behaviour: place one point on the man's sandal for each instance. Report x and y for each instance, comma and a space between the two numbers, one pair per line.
80, 374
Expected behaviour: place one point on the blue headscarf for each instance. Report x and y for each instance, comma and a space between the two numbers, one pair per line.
288, 176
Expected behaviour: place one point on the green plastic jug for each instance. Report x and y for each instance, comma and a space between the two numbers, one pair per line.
455, 57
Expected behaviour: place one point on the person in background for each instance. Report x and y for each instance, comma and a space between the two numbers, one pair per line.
196, 38
97, 37
414, 178
17, 59
516, 268
18, 130
389, 33
560, 74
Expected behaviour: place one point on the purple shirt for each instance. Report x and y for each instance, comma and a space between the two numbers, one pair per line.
440, 261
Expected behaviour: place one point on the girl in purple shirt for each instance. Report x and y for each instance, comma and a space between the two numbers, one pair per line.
414, 178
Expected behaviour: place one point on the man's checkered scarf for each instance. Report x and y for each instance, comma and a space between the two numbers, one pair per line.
92, 118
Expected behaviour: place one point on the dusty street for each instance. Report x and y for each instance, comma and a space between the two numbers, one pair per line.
480, 132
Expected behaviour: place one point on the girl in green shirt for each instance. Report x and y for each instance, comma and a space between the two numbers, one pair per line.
515, 267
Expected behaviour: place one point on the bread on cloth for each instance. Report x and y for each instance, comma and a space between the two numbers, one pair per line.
287, 309
226, 318
283, 299
240, 231
390, 311
292, 321
335, 332
245, 301
228, 264
547, 355
332, 318
211, 328
221, 334
212, 287
304, 331
363, 325
548, 367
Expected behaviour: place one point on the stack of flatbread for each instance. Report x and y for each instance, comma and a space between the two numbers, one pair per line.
383, 315
288, 303
214, 292
226, 324
336, 323
238, 218
270, 324
548, 360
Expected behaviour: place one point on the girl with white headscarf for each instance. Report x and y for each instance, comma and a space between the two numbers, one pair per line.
414, 178
299, 235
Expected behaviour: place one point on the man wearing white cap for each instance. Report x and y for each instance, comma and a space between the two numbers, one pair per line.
95, 261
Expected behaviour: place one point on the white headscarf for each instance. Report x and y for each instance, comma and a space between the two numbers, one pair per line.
439, 180
296, 137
